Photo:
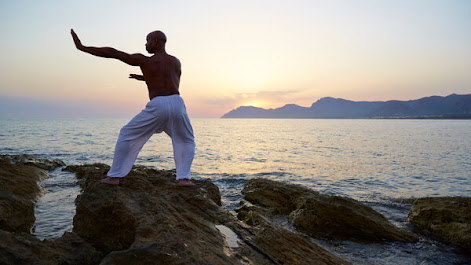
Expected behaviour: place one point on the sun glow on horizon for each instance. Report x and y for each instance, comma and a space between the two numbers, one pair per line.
256, 103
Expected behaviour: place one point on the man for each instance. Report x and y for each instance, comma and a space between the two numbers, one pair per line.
165, 111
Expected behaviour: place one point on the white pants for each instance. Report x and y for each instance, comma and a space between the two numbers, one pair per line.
162, 114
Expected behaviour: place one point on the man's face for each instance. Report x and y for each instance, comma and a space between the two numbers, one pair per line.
150, 44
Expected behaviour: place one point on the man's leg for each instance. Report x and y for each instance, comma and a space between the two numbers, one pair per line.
184, 151
181, 132
132, 138
125, 154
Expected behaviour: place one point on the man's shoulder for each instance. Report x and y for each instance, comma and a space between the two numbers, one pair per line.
164, 58
173, 57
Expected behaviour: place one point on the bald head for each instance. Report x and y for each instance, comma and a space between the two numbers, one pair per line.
157, 36
156, 41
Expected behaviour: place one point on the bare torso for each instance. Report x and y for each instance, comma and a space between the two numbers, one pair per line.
161, 74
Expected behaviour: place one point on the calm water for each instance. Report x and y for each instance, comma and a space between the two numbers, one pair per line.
377, 162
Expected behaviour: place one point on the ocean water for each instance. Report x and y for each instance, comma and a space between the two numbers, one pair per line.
382, 163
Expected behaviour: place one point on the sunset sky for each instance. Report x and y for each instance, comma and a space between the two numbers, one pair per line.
260, 53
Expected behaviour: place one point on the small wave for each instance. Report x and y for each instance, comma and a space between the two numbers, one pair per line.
55, 186
150, 159
7, 149
83, 134
253, 159
276, 174
231, 182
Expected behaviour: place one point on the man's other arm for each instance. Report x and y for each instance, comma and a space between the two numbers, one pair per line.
108, 52
138, 77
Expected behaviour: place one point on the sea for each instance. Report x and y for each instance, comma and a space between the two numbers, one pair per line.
384, 163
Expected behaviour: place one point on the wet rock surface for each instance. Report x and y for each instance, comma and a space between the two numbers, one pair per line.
280, 244
148, 217
18, 192
446, 218
42, 163
323, 216
24, 248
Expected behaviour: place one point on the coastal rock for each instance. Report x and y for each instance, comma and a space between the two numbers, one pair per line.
89, 173
323, 216
16, 214
149, 219
21, 180
24, 248
18, 193
42, 163
281, 245
447, 218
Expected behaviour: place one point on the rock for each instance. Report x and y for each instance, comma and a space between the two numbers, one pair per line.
18, 193
23, 248
16, 214
42, 163
88, 173
323, 216
447, 218
281, 245
151, 208
149, 219
152, 253
21, 180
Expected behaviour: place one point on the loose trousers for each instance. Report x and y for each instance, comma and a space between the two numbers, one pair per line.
162, 114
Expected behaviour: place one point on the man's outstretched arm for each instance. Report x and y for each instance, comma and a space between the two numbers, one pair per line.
108, 52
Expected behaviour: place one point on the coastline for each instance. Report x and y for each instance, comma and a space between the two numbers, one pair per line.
258, 216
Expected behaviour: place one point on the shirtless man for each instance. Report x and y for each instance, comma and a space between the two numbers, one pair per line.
165, 111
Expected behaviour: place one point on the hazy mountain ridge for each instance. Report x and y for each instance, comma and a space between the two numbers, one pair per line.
452, 106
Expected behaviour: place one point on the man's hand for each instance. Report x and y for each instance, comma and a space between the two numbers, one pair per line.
138, 77
78, 43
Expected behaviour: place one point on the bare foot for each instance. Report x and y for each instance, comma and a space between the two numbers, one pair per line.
186, 183
109, 180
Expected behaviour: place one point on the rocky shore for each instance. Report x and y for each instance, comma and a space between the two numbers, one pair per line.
149, 219
320, 215
446, 218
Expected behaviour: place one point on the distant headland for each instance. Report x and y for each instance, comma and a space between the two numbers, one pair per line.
435, 107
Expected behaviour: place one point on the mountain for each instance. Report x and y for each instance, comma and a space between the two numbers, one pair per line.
452, 106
